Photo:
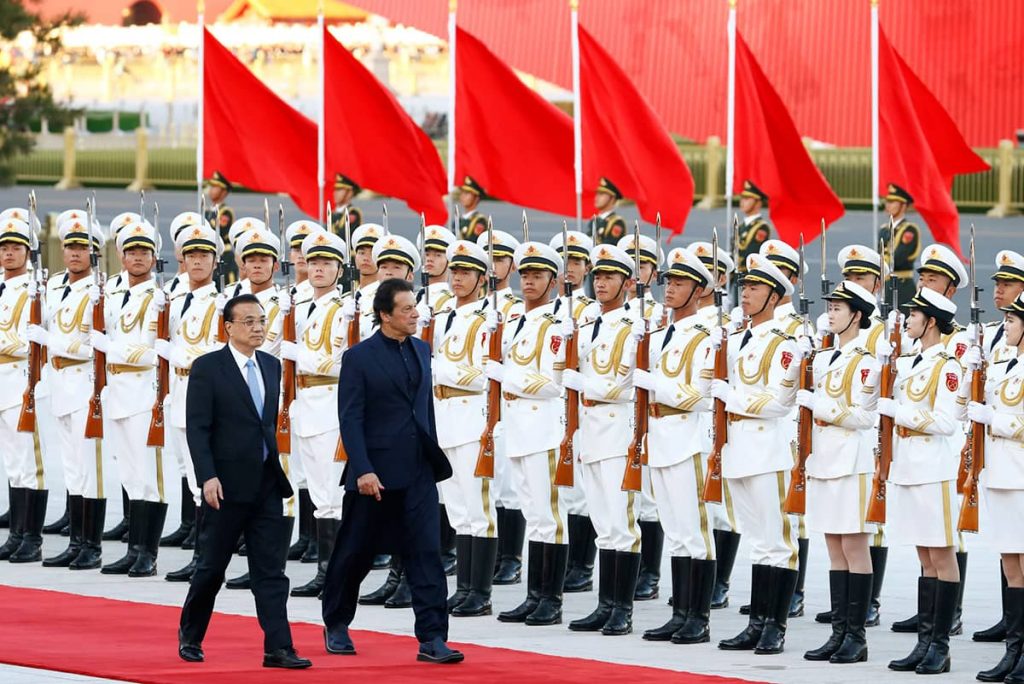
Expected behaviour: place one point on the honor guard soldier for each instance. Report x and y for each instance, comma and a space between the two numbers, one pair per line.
218, 214
302, 290
922, 480
322, 339
23, 462
131, 376
905, 238
460, 403
363, 240
675, 442
754, 230
180, 279
345, 190
723, 517
113, 285
605, 383
576, 260
260, 250
649, 267
69, 322
472, 223
842, 401
606, 227
231, 260
436, 241
194, 320
1008, 286
763, 363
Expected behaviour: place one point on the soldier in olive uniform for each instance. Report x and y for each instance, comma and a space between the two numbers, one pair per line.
472, 223
906, 242
221, 217
345, 190
607, 227
754, 229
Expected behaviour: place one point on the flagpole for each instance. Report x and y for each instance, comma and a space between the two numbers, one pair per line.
321, 125
451, 94
730, 124
577, 114
875, 166
200, 11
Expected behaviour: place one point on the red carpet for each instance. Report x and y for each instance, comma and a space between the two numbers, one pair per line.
138, 642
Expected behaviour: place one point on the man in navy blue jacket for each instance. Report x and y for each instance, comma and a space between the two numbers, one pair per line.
386, 416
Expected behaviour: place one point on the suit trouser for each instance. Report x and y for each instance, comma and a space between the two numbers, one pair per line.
266, 541
323, 473
412, 513
613, 512
185, 465
22, 458
541, 500
771, 532
82, 458
469, 499
684, 516
140, 467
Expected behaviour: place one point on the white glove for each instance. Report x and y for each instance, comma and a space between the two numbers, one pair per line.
94, 293
804, 346
883, 350
159, 300
572, 379
179, 357
805, 399
163, 349
716, 337
887, 407
639, 329
425, 314
100, 342
284, 304
972, 357
980, 413
643, 380
893, 319
720, 389
221, 301
38, 334
494, 370
490, 320
289, 351
821, 324
348, 309
972, 331
33, 288
568, 327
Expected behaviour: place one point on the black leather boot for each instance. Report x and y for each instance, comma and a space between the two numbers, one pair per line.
652, 543
605, 596
185, 574
312, 552
119, 530
936, 660
697, 628
838, 583
91, 555
463, 570
75, 513
854, 648
18, 504
582, 551
481, 577
681, 572
627, 572
1011, 667
549, 609
879, 556
188, 518
149, 545
326, 530
760, 597
907, 626
296, 550
447, 543
5, 518
60, 523
926, 587
773, 638
510, 547
998, 631
796, 606
378, 596
534, 577
726, 545
136, 530
958, 625
402, 597
31, 548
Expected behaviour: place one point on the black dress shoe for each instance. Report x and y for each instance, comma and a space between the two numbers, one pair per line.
381, 561
192, 653
184, 574
437, 651
240, 582
339, 642
285, 658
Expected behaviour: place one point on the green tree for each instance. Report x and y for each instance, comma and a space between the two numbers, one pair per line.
24, 98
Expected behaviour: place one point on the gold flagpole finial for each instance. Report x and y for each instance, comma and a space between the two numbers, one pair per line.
452, 5
732, 4
200, 7
574, 5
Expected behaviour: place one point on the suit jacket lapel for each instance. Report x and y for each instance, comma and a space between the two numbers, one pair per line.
235, 379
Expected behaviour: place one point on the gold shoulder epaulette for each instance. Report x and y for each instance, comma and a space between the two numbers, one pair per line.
948, 357
627, 321
782, 334
700, 327
908, 355
551, 317
584, 325
862, 351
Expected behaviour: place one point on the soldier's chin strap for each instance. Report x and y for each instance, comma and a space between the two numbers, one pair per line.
688, 299
852, 315
1019, 337
765, 305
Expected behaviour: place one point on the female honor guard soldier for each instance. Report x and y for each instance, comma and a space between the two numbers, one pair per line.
922, 487
843, 441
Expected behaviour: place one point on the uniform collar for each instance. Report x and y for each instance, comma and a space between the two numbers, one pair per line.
747, 220
145, 285
16, 281
209, 288
326, 297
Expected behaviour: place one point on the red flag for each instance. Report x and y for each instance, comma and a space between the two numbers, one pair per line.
513, 142
251, 135
769, 151
373, 141
625, 141
920, 147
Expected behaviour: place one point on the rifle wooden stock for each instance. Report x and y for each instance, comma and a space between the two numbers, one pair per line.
720, 431
340, 455
284, 416
353, 328
485, 461
156, 437
828, 341
427, 334
796, 496
564, 474
883, 452
968, 521
635, 454
94, 419
27, 417
222, 333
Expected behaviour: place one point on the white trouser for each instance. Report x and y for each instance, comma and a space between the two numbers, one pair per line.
469, 499
575, 498
22, 457
771, 533
723, 515
613, 512
291, 503
648, 506
296, 473
82, 458
323, 473
140, 467
684, 516
541, 500
176, 436
506, 490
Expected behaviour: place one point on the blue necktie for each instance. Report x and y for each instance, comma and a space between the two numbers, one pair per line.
254, 391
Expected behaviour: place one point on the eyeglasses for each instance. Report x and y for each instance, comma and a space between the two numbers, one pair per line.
251, 322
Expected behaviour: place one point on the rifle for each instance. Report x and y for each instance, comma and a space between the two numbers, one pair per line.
163, 332
485, 461
886, 425
659, 278
427, 333
564, 470
827, 339
284, 416
27, 417
222, 333
796, 497
720, 423
94, 419
631, 479
975, 446
735, 290
353, 279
